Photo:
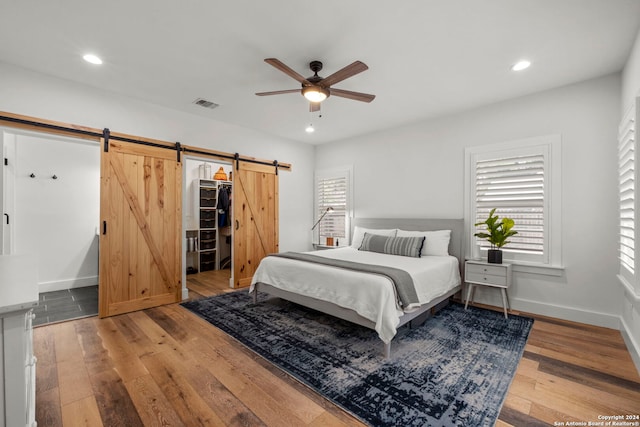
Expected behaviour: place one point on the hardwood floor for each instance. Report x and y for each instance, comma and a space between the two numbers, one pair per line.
167, 367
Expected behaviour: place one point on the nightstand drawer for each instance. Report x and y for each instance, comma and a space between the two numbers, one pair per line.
490, 279
486, 269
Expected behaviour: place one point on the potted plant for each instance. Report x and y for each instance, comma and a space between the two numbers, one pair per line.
497, 234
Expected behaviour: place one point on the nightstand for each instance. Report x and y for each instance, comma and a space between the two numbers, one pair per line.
319, 247
486, 274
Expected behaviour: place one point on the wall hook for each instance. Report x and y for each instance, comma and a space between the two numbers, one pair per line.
33, 175
54, 176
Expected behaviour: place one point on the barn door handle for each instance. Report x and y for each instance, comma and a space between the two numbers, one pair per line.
7, 215
104, 227
237, 224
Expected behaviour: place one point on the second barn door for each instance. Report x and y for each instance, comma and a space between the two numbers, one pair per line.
255, 218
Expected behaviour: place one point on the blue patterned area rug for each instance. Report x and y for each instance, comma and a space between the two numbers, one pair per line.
454, 370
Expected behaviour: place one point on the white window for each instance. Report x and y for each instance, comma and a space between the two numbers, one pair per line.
521, 180
332, 206
626, 183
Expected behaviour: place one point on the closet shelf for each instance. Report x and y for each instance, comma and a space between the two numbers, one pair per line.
206, 194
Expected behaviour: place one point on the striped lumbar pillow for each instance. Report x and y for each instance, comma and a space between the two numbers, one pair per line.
403, 246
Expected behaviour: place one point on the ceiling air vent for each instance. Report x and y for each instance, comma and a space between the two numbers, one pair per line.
206, 104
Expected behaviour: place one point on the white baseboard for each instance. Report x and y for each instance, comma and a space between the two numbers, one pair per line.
573, 314
552, 310
632, 344
60, 285
185, 294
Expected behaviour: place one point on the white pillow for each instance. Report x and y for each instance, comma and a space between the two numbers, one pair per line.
358, 234
435, 242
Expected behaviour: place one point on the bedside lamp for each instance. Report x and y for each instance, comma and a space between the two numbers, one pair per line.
318, 222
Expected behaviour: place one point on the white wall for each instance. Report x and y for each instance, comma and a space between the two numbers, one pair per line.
631, 301
418, 171
631, 76
38, 95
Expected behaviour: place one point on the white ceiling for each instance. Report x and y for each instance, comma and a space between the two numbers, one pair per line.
426, 58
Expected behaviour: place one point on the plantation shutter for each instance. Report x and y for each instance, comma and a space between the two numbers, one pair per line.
515, 186
626, 179
332, 191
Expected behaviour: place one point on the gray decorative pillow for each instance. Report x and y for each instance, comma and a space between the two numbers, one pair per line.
403, 246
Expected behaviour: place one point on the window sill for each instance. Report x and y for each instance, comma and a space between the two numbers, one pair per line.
520, 267
628, 288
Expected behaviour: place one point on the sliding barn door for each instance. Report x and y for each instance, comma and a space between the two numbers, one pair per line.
255, 215
141, 220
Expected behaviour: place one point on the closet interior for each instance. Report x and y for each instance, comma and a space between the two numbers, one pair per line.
208, 216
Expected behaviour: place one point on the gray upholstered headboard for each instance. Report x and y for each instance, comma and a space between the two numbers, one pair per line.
456, 244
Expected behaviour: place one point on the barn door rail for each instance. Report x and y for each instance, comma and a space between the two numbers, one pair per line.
23, 121
235, 157
49, 125
32, 123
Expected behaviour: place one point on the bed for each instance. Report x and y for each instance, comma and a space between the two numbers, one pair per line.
367, 299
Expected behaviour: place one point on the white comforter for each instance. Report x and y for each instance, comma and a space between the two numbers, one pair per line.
370, 295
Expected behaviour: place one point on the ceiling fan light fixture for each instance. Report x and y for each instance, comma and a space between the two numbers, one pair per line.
315, 93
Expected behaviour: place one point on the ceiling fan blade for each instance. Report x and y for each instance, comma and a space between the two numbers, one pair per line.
288, 71
278, 92
357, 96
345, 73
314, 106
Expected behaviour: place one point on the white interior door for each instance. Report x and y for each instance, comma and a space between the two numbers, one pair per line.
7, 189
5, 215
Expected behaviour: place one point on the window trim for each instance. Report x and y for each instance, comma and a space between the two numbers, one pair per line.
550, 146
628, 275
630, 281
338, 171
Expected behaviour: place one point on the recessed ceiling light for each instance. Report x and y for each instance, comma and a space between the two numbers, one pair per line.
89, 57
520, 65
310, 129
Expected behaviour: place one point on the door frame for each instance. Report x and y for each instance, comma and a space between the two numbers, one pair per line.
7, 189
185, 189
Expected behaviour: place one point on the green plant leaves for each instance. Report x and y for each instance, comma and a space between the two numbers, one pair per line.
498, 231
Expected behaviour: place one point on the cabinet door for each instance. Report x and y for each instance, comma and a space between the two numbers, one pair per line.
255, 218
14, 358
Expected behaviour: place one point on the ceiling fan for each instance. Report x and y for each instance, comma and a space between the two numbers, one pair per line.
315, 88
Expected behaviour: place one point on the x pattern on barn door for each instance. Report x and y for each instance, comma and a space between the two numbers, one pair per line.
255, 215
140, 252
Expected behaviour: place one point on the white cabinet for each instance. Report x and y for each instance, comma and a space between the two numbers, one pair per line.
488, 274
18, 407
18, 294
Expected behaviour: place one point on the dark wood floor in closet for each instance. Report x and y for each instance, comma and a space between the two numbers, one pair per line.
167, 367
